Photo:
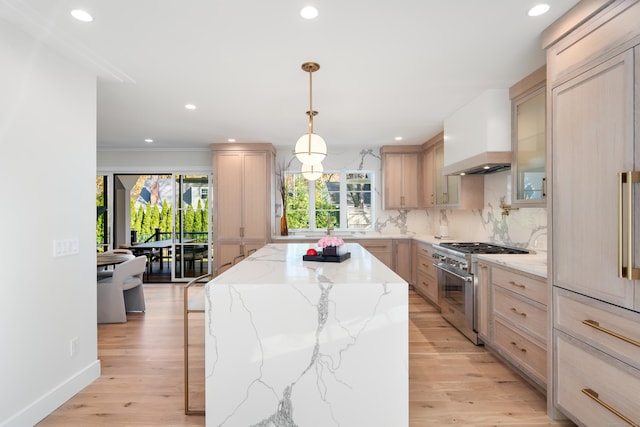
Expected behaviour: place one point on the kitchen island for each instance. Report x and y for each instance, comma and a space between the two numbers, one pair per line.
292, 342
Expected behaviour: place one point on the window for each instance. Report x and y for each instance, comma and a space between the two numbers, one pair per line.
343, 198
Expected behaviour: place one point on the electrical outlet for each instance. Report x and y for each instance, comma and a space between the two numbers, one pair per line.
73, 347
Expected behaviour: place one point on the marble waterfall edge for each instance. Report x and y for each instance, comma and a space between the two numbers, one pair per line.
309, 346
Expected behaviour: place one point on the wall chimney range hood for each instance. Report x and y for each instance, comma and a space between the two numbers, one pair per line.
477, 137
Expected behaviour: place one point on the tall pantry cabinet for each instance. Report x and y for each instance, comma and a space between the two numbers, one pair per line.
593, 81
242, 188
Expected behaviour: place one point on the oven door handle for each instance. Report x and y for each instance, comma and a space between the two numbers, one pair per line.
446, 268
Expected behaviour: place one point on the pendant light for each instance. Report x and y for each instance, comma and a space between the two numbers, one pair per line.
312, 172
310, 148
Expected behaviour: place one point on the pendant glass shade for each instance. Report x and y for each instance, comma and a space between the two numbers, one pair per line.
311, 149
312, 172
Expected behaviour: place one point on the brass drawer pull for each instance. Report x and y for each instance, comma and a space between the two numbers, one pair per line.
513, 343
596, 325
513, 309
593, 395
511, 282
425, 283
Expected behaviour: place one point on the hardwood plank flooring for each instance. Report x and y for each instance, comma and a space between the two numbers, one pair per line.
451, 381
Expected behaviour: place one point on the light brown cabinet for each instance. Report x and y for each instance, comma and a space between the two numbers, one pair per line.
400, 172
593, 75
242, 188
513, 318
425, 276
380, 248
402, 258
454, 191
528, 110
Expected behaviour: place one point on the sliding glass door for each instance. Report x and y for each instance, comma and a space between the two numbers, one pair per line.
163, 216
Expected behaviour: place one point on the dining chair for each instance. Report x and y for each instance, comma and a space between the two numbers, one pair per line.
122, 292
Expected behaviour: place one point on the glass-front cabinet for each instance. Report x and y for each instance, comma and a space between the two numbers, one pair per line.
528, 133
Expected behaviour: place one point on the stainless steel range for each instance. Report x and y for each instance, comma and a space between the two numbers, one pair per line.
457, 266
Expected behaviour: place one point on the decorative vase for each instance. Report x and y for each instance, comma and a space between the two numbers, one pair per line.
284, 226
330, 251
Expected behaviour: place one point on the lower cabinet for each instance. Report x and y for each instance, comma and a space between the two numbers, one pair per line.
380, 248
516, 321
234, 253
402, 259
425, 280
597, 360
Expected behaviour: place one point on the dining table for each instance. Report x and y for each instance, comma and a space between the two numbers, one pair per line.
107, 259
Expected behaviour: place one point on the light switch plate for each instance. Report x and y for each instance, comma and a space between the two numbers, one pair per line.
66, 247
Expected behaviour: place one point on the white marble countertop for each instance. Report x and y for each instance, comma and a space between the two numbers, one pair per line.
535, 263
281, 263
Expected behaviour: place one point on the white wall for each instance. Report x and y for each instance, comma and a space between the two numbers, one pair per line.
47, 160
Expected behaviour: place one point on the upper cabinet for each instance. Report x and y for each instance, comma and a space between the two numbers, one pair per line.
400, 172
528, 110
454, 191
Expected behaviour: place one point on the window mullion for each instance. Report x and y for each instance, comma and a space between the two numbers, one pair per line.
311, 186
343, 200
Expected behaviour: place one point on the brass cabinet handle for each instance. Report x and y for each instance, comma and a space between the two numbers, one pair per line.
511, 282
375, 246
513, 309
513, 343
593, 395
425, 283
401, 200
628, 271
596, 325
544, 187
241, 231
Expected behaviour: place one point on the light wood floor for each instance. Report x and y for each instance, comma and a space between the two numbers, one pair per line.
452, 382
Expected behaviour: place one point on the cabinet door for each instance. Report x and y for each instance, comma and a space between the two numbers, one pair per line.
255, 194
483, 302
403, 259
428, 175
228, 194
410, 181
401, 181
392, 181
593, 131
529, 149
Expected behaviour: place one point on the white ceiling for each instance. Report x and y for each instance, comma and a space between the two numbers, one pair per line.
387, 68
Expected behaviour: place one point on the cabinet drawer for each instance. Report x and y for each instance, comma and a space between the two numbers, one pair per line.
522, 313
536, 289
575, 313
427, 287
581, 367
523, 351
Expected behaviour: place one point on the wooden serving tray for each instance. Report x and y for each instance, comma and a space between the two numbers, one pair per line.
327, 258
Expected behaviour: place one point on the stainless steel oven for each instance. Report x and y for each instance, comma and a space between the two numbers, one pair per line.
458, 284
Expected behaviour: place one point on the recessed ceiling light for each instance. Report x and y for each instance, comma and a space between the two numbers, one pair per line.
486, 167
309, 12
81, 15
231, 140
462, 173
148, 140
398, 138
190, 107
539, 9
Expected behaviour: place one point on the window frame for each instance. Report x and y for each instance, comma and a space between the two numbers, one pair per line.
343, 203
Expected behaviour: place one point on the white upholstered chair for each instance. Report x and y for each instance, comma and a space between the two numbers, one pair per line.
122, 292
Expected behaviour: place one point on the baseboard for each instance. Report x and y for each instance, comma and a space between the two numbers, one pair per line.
49, 402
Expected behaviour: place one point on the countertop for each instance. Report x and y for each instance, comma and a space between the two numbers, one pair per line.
535, 263
282, 264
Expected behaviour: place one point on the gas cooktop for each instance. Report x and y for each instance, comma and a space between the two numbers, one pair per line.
481, 248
